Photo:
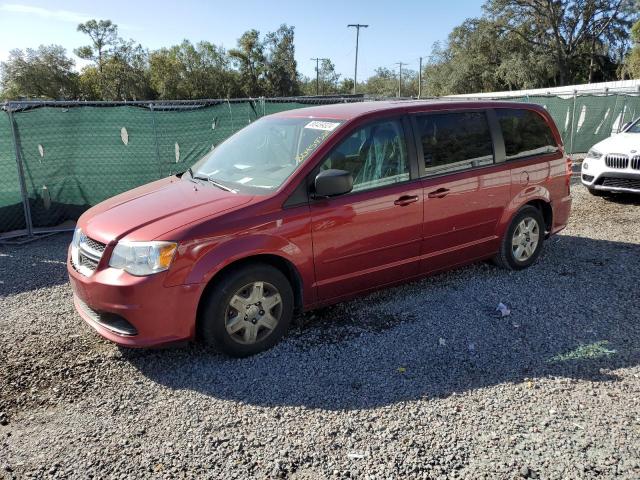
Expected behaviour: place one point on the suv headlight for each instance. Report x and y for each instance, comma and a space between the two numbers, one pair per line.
594, 154
143, 258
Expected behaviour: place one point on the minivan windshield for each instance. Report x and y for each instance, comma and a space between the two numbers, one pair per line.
260, 157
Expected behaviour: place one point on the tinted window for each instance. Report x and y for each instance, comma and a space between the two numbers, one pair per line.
375, 155
454, 141
525, 133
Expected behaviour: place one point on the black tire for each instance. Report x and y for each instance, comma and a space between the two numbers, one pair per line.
217, 314
596, 193
506, 257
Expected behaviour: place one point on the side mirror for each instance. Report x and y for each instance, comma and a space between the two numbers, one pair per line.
333, 182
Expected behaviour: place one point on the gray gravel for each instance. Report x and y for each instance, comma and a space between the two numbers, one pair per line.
419, 381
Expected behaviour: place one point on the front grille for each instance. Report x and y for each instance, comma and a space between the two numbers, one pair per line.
632, 183
89, 254
93, 244
86, 262
616, 160
635, 162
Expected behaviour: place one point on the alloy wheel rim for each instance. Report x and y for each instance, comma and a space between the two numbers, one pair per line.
253, 313
525, 239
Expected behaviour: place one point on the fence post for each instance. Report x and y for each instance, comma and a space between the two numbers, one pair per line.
155, 135
23, 186
573, 117
623, 113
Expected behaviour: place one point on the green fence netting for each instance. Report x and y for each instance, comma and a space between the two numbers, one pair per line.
11, 208
76, 154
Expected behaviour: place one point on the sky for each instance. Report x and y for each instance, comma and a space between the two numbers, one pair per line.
399, 31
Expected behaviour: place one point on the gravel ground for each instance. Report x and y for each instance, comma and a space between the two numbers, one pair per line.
419, 381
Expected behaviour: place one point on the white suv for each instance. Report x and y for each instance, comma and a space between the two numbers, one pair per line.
613, 165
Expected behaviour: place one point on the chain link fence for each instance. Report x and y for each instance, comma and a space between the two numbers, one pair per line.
59, 158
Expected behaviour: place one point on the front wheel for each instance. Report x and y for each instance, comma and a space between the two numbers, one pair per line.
247, 311
522, 242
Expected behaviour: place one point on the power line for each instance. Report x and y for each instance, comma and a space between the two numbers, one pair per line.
357, 26
318, 73
400, 64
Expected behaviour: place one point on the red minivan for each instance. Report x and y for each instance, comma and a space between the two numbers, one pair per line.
313, 206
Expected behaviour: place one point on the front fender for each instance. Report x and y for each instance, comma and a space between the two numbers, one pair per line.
236, 249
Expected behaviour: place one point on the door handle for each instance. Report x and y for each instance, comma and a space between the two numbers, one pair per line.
406, 200
439, 193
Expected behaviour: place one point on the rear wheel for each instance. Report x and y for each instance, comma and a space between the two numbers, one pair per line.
522, 242
247, 311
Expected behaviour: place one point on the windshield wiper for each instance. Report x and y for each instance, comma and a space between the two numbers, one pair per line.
212, 181
220, 185
196, 177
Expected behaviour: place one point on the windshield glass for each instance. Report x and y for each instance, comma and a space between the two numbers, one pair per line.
635, 128
263, 155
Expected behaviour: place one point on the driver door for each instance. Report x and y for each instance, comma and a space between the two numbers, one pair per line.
371, 236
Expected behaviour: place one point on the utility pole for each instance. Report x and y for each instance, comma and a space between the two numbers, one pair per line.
357, 26
400, 64
317, 74
420, 78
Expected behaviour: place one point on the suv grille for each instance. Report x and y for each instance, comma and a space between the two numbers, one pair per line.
632, 183
89, 254
635, 162
616, 160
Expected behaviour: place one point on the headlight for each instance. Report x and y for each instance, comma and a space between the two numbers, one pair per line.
143, 258
594, 154
75, 242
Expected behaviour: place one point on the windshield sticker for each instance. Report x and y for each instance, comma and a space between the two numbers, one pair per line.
302, 156
317, 125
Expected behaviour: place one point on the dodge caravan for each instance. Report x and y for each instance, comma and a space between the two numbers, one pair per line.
310, 207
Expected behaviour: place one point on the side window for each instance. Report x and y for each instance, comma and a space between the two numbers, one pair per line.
525, 133
375, 155
454, 141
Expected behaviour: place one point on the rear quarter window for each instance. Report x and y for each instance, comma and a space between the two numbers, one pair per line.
525, 133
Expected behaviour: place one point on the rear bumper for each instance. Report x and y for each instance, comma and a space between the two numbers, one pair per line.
135, 311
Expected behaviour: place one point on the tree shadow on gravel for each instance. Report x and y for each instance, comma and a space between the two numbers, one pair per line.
34, 265
572, 315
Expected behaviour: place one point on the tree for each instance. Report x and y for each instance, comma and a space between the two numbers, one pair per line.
186, 71
572, 32
251, 62
124, 75
384, 83
632, 67
103, 35
281, 72
45, 73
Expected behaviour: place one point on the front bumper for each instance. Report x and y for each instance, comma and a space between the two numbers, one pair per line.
135, 311
598, 176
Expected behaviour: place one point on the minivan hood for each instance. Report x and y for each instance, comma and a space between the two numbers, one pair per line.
149, 211
620, 143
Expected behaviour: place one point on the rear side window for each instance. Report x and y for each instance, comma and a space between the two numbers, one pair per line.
525, 133
454, 141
